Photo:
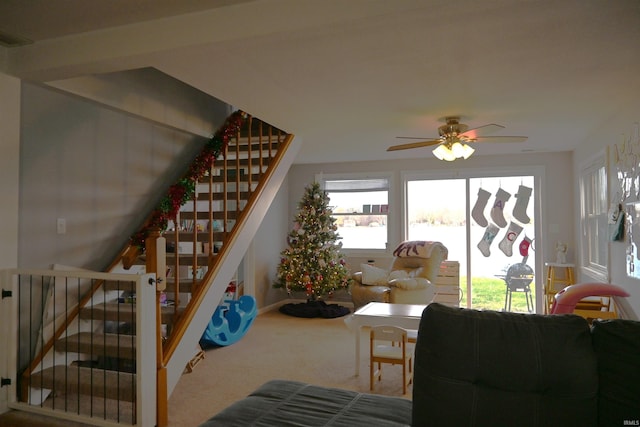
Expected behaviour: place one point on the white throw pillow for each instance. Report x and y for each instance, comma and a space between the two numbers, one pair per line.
410, 283
372, 275
398, 274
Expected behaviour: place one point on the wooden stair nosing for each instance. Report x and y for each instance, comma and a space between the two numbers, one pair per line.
185, 285
119, 346
120, 312
187, 259
244, 162
86, 381
244, 178
231, 214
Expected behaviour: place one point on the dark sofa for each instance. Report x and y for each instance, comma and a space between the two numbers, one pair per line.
480, 368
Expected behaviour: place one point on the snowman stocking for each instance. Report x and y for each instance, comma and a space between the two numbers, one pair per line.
489, 234
506, 245
520, 209
478, 209
497, 211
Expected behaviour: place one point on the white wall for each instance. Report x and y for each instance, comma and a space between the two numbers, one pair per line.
9, 169
9, 177
267, 243
610, 132
94, 167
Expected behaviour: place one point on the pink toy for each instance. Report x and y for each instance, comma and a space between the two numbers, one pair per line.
566, 299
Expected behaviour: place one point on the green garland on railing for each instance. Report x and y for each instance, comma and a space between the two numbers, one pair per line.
183, 191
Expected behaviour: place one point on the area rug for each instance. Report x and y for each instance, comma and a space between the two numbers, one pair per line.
312, 309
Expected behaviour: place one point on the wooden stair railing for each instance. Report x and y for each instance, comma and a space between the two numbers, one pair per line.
221, 186
207, 223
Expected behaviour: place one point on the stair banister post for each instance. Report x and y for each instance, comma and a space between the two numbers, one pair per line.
155, 248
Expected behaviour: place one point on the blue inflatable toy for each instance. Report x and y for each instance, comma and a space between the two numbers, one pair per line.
230, 321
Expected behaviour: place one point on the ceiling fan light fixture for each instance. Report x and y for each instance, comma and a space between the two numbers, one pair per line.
449, 152
457, 149
467, 151
443, 152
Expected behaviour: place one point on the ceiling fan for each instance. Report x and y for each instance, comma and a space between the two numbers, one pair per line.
455, 138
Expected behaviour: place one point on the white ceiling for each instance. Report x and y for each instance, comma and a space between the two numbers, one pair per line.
348, 76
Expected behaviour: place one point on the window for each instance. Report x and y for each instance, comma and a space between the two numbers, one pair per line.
593, 198
360, 207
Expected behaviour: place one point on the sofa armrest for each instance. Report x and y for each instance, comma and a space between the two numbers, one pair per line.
361, 295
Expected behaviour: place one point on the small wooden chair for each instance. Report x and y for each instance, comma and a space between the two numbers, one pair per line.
382, 349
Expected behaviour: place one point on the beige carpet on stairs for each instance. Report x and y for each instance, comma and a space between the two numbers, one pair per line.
319, 351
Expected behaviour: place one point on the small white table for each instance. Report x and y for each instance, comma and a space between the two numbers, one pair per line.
405, 316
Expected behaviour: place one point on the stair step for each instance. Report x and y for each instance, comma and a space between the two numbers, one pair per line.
232, 214
187, 259
245, 162
120, 312
87, 381
119, 346
185, 285
244, 177
98, 408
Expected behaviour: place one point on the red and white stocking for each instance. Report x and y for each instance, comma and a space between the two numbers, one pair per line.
524, 246
506, 245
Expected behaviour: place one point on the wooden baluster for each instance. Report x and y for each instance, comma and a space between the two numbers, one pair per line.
176, 260
238, 168
225, 208
194, 238
211, 219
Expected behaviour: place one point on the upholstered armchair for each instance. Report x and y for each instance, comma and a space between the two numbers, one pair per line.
410, 279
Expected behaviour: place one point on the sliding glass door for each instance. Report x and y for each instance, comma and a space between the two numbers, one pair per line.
488, 225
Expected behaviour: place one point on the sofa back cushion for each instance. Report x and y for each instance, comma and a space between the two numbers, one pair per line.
486, 368
617, 346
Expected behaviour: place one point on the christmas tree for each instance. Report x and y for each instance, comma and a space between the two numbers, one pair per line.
312, 262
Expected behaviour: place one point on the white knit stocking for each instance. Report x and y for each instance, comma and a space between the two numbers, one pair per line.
506, 244
490, 233
520, 209
497, 211
478, 209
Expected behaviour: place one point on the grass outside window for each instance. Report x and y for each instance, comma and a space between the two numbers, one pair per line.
489, 294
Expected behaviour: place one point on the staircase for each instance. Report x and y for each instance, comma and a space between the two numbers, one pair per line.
193, 242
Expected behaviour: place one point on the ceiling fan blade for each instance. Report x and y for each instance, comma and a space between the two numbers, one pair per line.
410, 137
414, 145
482, 130
500, 139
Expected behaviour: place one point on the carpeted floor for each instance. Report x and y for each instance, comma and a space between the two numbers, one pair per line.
317, 350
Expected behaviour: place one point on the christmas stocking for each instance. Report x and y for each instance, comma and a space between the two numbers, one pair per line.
489, 234
478, 209
497, 214
524, 246
520, 209
506, 244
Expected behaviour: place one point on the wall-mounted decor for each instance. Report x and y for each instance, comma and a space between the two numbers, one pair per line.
626, 159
